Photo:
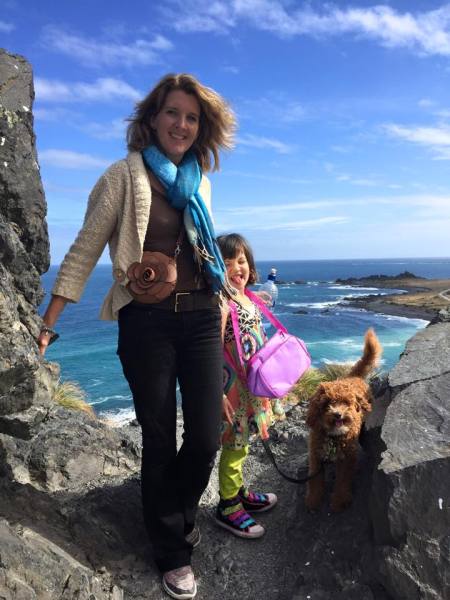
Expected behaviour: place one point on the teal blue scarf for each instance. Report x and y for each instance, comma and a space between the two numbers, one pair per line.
182, 185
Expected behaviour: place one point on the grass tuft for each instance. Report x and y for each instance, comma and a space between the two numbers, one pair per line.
335, 371
70, 395
310, 381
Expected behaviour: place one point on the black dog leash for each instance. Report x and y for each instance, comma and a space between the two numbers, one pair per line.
270, 454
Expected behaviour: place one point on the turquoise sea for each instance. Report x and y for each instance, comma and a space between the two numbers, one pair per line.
86, 349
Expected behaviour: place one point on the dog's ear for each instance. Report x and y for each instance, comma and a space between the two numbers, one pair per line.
316, 404
364, 402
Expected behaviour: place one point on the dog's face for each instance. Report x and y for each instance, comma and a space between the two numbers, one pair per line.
338, 406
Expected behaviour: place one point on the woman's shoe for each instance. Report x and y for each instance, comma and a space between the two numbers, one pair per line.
231, 515
255, 501
180, 583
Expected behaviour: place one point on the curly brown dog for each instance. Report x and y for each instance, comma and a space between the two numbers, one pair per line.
335, 416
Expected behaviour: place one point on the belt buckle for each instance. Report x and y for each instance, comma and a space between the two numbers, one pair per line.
176, 298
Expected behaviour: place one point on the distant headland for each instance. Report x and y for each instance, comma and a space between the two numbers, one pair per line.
422, 298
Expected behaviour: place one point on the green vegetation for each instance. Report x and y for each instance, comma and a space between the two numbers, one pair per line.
70, 395
310, 381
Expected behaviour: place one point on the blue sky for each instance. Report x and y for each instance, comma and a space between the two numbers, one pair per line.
343, 147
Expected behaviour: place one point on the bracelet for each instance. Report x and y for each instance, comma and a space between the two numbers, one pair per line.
48, 330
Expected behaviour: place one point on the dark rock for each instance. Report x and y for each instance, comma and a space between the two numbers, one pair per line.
425, 356
442, 316
32, 568
373, 279
409, 503
22, 201
24, 245
300, 311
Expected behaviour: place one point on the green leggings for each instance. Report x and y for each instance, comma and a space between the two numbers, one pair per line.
230, 471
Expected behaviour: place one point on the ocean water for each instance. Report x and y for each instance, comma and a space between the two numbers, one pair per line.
86, 350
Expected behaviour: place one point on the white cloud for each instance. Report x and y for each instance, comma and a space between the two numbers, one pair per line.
295, 225
439, 204
313, 215
115, 130
436, 139
231, 69
67, 159
94, 53
54, 114
425, 32
305, 224
6, 27
260, 142
104, 89
277, 106
266, 177
426, 103
357, 181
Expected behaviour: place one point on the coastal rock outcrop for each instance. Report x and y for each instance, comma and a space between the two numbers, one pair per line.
49, 457
410, 499
24, 245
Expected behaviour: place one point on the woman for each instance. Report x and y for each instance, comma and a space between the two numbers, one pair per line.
157, 200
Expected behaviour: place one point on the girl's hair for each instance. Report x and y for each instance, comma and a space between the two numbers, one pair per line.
217, 121
231, 244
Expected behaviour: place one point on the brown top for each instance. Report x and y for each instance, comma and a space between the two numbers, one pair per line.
166, 223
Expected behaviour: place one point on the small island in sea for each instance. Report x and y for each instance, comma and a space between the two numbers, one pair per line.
422, 298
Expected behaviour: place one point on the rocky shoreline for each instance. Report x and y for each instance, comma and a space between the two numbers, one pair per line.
378, 304
419, 298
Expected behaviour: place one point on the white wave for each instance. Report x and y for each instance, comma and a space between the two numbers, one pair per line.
419, 323
347, 363
108, 398
342, 342
352, 287
313, 304
95, 383
119, 417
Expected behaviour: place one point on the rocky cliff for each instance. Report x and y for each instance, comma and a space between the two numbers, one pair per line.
70, 519
49, 457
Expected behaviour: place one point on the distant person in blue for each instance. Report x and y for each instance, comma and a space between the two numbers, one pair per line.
153, 209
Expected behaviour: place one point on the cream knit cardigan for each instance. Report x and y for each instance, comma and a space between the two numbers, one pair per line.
118, 215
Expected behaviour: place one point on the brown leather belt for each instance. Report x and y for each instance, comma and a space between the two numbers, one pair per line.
184, 301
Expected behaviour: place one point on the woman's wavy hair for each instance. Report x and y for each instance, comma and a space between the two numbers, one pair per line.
231, 244
217, 121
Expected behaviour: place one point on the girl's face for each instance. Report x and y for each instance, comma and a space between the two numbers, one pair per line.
238, 271
177, 123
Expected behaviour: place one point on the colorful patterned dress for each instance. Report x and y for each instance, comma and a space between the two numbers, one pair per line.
252, 414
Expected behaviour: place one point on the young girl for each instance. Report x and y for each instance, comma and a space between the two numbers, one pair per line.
244, 413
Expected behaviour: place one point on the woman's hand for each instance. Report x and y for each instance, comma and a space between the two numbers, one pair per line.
228, 410
47, 335
44, 340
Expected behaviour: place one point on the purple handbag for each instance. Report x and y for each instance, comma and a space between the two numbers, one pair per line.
274, 370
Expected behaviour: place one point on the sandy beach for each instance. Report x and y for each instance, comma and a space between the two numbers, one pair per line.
422, 298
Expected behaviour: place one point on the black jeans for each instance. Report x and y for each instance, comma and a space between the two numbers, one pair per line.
157, 347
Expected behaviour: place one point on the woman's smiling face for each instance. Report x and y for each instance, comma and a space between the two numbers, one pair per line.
177, 124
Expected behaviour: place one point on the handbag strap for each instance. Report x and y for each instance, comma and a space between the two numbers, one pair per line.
237, 336
263, 308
